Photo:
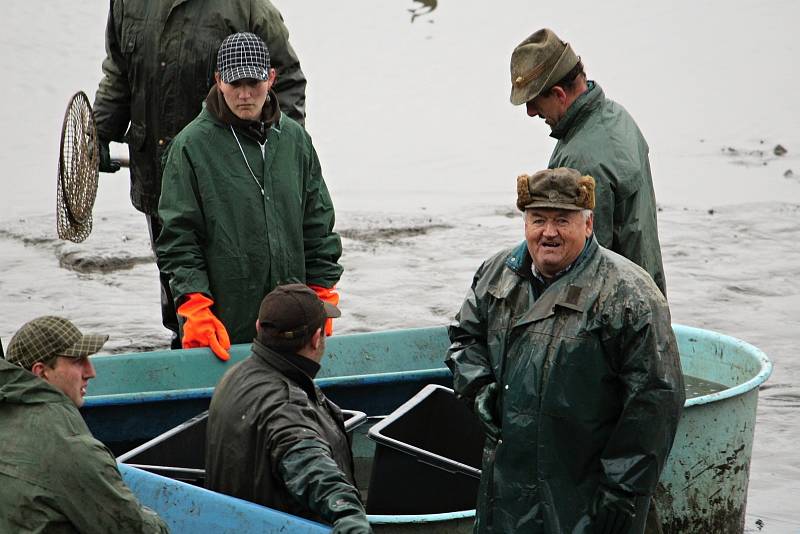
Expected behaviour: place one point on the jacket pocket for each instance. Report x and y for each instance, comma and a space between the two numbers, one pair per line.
136, 136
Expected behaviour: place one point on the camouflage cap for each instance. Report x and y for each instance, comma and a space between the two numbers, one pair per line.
562, 188
537, 63
46, 337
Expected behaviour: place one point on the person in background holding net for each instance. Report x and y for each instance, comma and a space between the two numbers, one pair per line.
243, 204
159, 67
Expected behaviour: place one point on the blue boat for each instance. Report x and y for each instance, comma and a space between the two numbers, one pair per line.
703, 487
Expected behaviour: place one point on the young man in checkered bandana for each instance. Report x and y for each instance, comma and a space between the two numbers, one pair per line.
159, 67
244, 206
53, 474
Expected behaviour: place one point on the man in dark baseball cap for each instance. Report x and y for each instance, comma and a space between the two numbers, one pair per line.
291, 452
53, 474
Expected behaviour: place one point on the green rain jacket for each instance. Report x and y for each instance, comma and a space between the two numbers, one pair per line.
274, 438
598, 137
222, 237
590, 388
54, 476
160, 61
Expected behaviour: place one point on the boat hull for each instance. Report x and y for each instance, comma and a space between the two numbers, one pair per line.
703, 487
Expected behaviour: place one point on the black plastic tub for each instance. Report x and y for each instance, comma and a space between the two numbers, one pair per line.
429, 452
179, 453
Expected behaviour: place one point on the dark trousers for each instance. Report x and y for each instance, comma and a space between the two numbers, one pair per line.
169, 317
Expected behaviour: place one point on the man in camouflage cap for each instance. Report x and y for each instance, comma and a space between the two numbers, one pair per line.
273, 436
565, 351
596, 136
53, 474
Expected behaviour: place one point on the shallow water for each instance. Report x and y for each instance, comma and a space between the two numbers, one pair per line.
420, 149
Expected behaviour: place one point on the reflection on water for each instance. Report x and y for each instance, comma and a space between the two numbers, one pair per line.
697, 387
425, 7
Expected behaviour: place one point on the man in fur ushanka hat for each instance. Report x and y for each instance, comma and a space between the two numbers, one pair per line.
566, 353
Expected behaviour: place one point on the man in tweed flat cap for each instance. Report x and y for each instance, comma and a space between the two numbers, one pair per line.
243, 205
596, 136
53, 474
565, 351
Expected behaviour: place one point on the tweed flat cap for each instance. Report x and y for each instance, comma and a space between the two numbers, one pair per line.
44, 338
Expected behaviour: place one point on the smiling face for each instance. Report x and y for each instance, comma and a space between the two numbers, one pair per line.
555, 237
246, 97
70, 375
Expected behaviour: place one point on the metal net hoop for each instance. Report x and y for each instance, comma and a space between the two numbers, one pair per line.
78, 170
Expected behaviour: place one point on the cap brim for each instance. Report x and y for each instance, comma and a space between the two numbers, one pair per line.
331, 311
245, 72
554, 206
86, 346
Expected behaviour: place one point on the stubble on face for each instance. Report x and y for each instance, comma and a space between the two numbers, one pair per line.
71, 376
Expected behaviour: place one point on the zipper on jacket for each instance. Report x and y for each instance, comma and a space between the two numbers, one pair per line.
260, 188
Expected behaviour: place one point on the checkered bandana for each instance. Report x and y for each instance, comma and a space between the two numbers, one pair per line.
243, 55
46, 337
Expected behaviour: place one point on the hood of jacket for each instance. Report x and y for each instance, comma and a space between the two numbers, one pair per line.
270, 114
18, 386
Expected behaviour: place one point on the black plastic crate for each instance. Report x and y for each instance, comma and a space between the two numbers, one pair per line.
179, 453
427, 456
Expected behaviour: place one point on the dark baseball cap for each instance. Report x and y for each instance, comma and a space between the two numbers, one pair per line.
44, 338
291, 313
243, 55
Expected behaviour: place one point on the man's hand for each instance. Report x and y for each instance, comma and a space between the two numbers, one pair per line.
486, 410
613, 512
106, 163
331, 296
202, 328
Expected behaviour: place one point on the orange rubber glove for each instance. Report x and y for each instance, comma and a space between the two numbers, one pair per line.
331, 296
202, 328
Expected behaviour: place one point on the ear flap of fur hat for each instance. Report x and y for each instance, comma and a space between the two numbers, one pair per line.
523, 192
586, 186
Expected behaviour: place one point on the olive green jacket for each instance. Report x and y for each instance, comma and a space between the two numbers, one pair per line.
222, 237
274, 438
590, 388
54, 476
160, 61
598, 137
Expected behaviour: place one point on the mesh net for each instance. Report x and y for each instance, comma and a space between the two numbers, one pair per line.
78, 170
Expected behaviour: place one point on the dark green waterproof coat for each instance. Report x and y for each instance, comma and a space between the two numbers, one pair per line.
590, 388
160, 61
54, 476
274, 438
222, 237
598, 137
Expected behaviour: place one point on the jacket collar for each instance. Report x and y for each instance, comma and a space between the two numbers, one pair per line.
19, 386
579, 110
266, 355
569, 291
